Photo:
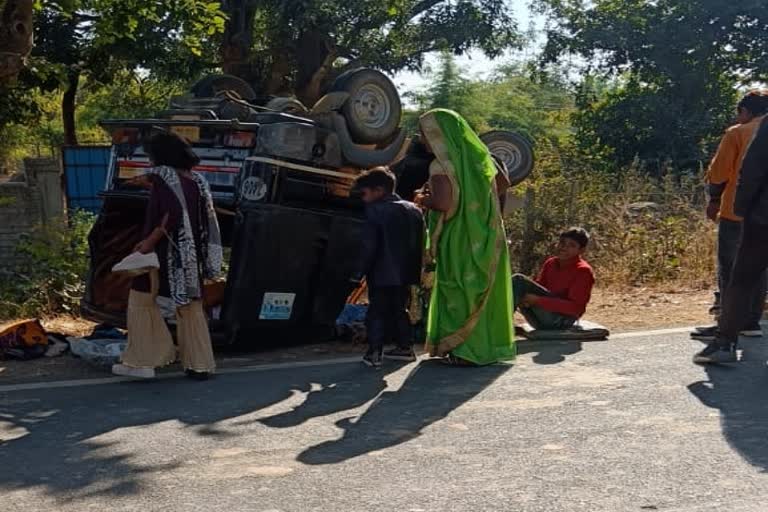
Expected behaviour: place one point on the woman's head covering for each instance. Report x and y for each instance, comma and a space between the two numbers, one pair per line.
461, 154
454, 142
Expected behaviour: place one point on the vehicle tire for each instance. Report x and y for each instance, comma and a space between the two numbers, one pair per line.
211, 85
288, 105
373, 109
512, 149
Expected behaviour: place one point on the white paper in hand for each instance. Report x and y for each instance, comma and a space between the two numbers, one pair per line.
137, 263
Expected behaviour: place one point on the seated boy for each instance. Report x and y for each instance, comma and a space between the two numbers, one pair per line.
558, 297
391, 262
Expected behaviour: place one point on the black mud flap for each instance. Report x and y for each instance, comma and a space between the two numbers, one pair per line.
290, 273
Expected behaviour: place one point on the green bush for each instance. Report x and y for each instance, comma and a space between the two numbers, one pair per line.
49, 277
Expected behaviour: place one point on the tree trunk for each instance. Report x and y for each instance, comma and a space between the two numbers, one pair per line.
68, 107
278, 81
314, 59
237, 39
15, 36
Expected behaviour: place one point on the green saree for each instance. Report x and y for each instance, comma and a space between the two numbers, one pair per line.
470, 310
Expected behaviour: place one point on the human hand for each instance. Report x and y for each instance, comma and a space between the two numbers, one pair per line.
713, 211
420, 199
144, 247
529, 300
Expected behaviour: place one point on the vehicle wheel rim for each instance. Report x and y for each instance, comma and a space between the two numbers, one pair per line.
371, 106
508, 153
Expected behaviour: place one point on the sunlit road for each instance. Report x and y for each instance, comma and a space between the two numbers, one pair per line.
625, 425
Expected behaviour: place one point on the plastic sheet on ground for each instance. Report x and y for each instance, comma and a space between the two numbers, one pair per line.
350, 325
99, 352
583, 331
352, 313
56, 346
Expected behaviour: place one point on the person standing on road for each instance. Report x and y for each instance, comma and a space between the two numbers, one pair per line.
181, 227
393, 241
470, 313
747, 275
722, 178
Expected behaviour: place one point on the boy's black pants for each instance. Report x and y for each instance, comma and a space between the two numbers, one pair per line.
387, 320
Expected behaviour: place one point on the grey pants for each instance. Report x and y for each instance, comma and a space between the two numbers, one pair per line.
728, 236
540, 319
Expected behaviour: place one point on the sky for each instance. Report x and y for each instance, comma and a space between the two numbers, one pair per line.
475, 64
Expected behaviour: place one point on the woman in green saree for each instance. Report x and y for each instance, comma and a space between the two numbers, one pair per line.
470, 310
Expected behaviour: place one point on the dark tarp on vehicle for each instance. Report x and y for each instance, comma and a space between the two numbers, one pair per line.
307, 256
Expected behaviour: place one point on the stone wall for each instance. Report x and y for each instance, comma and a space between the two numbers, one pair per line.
30, 199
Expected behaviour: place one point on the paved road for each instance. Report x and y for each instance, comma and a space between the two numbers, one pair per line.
625, 425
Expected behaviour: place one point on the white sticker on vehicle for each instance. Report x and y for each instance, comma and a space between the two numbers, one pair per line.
254, 189
277, 306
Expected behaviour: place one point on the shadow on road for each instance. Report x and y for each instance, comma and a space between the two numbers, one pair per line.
429, 394
66, 441
339, 392
740, 393
549, 352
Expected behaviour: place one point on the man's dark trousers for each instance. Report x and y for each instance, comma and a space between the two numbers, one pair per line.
746, 279
387, 320
728, 238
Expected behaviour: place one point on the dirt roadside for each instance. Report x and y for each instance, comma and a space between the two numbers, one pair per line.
633, 309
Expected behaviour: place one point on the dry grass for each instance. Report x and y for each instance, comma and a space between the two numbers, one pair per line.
672, 247
63, 324
68, 325
645, 231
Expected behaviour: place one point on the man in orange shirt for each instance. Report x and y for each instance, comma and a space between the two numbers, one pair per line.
722, 178
751, 261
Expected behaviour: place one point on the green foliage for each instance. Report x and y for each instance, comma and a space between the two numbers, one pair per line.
103, 36
101, 39
666, 38
448, 88
515, 99
678, 63
128, 95
291, 45
51, 270
654, 124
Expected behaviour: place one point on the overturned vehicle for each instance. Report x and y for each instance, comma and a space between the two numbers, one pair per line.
281, 176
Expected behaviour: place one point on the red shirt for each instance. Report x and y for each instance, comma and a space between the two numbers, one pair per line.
570, 284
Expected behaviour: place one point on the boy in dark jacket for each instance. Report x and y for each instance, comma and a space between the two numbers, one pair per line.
751, 204
391, 262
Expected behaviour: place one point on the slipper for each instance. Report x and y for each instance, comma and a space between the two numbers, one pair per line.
452, 360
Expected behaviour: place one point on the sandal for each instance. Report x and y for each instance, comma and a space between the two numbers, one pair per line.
452, 360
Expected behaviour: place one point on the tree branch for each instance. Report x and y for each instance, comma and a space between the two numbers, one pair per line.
422, 6
81, 16
417, 9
